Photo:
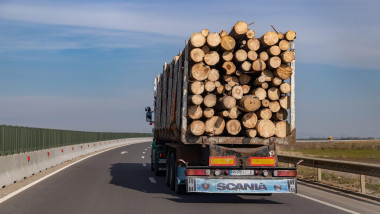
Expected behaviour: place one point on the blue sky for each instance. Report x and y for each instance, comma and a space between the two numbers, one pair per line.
90, 65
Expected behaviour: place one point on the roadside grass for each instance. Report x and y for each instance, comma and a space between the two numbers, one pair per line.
369, 155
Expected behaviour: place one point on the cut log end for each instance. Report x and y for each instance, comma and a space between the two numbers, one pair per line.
249, 120
227, 43
197, 127
265, 128
197, 40
233, 127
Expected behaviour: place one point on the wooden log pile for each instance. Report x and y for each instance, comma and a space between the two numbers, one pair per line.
238, 83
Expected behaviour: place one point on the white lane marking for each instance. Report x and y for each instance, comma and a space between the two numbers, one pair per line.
142, 157
53, 173
124, 152
144, 164
152, 180
143, 152
146, 149
328, 204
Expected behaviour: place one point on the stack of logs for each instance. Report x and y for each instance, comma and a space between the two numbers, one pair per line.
237, 83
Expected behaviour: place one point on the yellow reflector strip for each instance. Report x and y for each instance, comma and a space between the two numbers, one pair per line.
262, 161
222, 161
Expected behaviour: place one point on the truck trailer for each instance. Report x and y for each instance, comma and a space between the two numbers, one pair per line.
212, 164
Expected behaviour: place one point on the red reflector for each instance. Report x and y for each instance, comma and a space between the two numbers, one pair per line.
28, 158
222, 161
150, 123
285, 173
190, 172
48, 153
262, 161
161, 155
72, 148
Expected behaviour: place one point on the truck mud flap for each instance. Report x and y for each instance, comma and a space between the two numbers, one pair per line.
241, 186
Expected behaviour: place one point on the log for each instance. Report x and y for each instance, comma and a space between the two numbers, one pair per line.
238, 73
246, 89
240, 56
265, 128
249, 120
237, 92
213, 75
265, 114
282, 114
252, 55
258, 65
253, 45
274, 50
215, 126
229, 67
290, 35
242, 43
251, 133
284, 45
205, 49
205, 32
227, 56
249, 103
239, 30
211, 58
210, 86
195, 112
269, 38
285, 88
220, 89
217, 84
285, 102
234, 113
209, 100
274, 106
282, 129
283, 72
233, 81
197, 127
200, 71
227, 87
273, 93
259, 80
197, 40
287, 56
197, 87
281, 35
227, 43
223, 33
265, 85
244, 79
208, 112
250, 34
196, 99
267, 74
227, 102
197, 55
233, 127
246, 66
264, 56
273, 62
260, 93
213, 40
265, 102
276, 81
224, 113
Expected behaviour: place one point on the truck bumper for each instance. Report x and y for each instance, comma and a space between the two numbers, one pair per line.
241, 185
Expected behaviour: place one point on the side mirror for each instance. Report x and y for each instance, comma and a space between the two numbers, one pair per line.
149, 114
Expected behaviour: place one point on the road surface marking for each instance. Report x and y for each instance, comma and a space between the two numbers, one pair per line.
142, 157
152, 180
328, 204
53, 173
124, 152
143, 152
146, 149
144, 164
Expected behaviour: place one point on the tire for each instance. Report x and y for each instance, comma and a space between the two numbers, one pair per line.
178, 188
157, 172
172, 171
152, 164
168, 169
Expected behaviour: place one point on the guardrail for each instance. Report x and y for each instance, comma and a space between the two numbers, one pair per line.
362, 169
16, 139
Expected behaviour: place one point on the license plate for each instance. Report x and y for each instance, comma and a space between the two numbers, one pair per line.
242, 172
161, 161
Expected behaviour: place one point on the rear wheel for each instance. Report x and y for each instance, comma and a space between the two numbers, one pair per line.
178, 188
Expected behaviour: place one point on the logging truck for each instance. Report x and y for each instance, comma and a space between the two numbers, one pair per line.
220, 108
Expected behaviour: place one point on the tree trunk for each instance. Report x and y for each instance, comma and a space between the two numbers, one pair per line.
249, 120
227, 43
285, 88
213, 75
227, 102
251, 133
200, 71
283, 72
197, 127
210, 100
227, 56
249, 103
270, 38
215, 126
280, 36
205, 49
211, 58
273, 93
239, 31
260, 93
252, 55
274, 106
233, 127
265, 128
287, 56
197, 87
282, 114
197, 40
267, 74
253, 45
196, 99
197, 55
265, 114
237, 92
282, 129
223, 33
227, 87
274, 50
290, 35
265, 85
258, 65
264, 56
240, 56
244, 79
213, 40
273, 62
284, 45
205, 32
195, 112
229, 67
234, 113
246, 66
208, 112
224, 113
210, 86
217, 84
220, 89
250, 34
265, 102
285, 102
246, 89
276, 81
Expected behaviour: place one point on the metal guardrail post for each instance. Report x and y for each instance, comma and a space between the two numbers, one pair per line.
319, 170
362, 184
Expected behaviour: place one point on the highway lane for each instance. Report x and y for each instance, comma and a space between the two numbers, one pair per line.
120, 181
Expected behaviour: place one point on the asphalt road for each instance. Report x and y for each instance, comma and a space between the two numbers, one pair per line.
120, 181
